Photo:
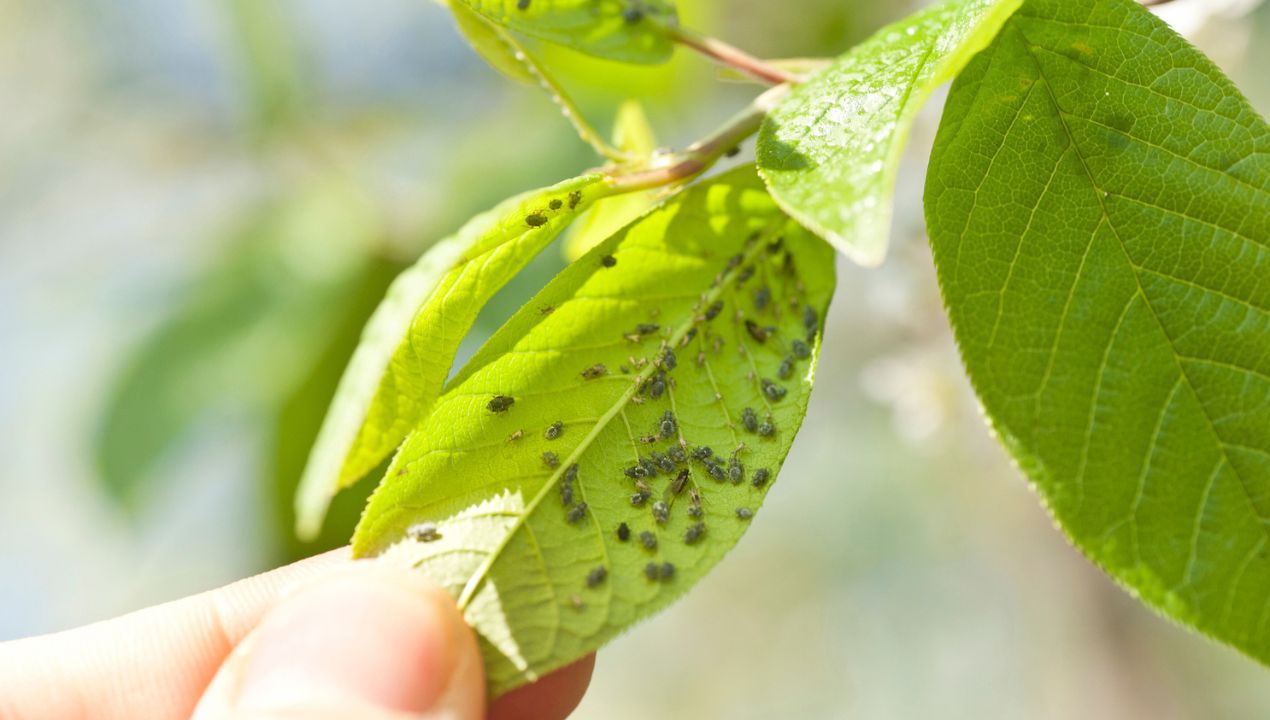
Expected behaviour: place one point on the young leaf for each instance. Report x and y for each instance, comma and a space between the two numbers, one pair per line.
409, 343
697, 326
829, 152
632, 32
1099, 209
492, 43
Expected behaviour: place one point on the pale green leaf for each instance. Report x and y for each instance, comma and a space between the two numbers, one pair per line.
507, 549
622, 30
830, 151
491, 42
1099, 209
408, 345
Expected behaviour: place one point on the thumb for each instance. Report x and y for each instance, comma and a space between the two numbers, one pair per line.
370, 642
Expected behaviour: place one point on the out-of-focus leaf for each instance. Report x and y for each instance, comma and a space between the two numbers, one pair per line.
830, 150
408, 345
1099, 208
695, 327
632, 135
622, 30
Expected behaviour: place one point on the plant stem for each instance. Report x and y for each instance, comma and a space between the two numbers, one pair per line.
701, 155
731, 56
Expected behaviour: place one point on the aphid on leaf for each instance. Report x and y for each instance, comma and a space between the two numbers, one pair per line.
713, 311
773, 391
632, 15
668, 426
546, 310
666, 464
749, 420
597, 370
650, 469
758, 332
623, 532
635, 471
695, 511
766, 428
577, 512
500, 403
423, 532
555, 204
575, 197
554, 430
647, 328
760, 478
576, 602
648, 540
687, 338
667, 571
746, 273
702, 452
522, 4
676, 454
732, 151
661, 512
744, 513
571, 473
550, 459
668, 359
786, 369
626, 370
652, 572
762, 297
566, 493
802, 351
680, 482
608, 261
694, 533
516, 436
657, 388
810, 320
648, 439
736, 471
596, 576
639, 498
535, 220
716, 471
735, 261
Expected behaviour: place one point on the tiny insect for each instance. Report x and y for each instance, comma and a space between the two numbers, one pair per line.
668, 425
716, 471
773, 391
702, 452
423, 532
626, 370
749, 420
661, 512
648, 439
648, 540
694, 532
667, 571
500, 403
632, 15
639, 498
623, 532
651, 571
744, 513
766, 428
516, 436
635, 471
676, 454
576, 602
566, 493
736, 471
575, 197
732, 151
650, 468
577, 512
647, 328
687, 338
657, 388
522, 4
735, 261
713, 311
596, 576
546, 310
761, 477
762, 297
801, 350
554, 430
786, 369
536, 220
556, 204
668, 359
550, 459
681, 480
666, 464
746, 273
571, 473
695, 511
810, 320
608, 261
597, 370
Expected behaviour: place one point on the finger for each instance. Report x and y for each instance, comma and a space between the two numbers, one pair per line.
553, 696
153, 663
365, 642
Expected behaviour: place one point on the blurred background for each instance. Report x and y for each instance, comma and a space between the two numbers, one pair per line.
202, 200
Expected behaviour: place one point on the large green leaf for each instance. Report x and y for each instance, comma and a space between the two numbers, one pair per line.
829, 152
632, 31
408, 345
1099, 208
523, 555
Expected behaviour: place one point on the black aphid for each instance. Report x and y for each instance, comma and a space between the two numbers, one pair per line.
566, 493
694, 533
761, 477
626, 370
766, 428
571, 473
635, 471
661, 512
735, 261
623, 532
786, 370
668, 426
656, 388
668, 359
556, 204
716, 471
736, 471
536, 220
608, 261
647, 328
802, 350
760, 333
692, 333
522, 4
597, 370
648, 540
676, 454
667, 571
652, 572
596, 576
639, 498
810, 320
744, 513
632, 15
575, 197
648, 439
550, 459
702, 452
423, 532
500, 403
666, 464
762, 297
713, 311
577, 512
749, 420
732, 151
650, 468
554, 430
695, 511
746, 273
680, 482
773, 391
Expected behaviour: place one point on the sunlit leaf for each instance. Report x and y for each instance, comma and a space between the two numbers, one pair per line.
492, 43
409, 343
1099, 208
829, 152
622, 30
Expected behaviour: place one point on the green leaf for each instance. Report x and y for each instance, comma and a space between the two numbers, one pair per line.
491, 42
633, 136
409, 343
1099, 209
829, 152
507, 549
624, 30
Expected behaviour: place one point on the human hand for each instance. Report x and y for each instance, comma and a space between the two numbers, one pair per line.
323, 638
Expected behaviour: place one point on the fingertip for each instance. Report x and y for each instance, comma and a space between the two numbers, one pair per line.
555, 695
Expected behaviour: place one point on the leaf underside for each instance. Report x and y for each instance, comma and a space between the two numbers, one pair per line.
830, 151
521, 557
408, 346
631, 31
1099, 209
